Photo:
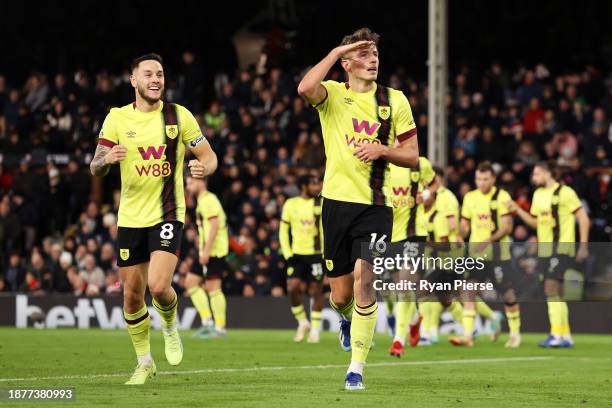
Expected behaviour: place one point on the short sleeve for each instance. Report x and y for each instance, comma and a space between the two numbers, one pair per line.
405, 127
535, 209
213, 207
465, 207
569, 198
427, 171
108, 134
190, 129
286, 214
501, 203
331, 89
446, 205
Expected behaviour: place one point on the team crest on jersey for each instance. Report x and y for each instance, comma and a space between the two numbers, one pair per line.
172, 131
124, 254
384, 112
415, 176
330, 264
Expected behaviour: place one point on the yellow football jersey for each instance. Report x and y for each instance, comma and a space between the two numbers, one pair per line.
541, 207
448, 205
402, 180
300, 230
151, 173
477, 209
348, 118
210, 207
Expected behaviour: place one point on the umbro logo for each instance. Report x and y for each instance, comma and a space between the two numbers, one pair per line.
348, 101
130, 134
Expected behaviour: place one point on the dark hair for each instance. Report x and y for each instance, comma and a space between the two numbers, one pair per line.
485, 166
363, 34
146, 57
304, 180
550, 166
439, 171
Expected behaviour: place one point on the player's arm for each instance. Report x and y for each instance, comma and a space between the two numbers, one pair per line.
465, 227
506, 228
285, 242
206, 159
210, 240
310, 86
524, 215
106, 156
584, 224
442, 244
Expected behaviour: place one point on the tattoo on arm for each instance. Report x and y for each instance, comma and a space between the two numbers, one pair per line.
97, 166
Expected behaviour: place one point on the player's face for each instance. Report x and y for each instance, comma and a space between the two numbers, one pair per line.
484, 181
314, 187
148, 79
363, 64
539, 176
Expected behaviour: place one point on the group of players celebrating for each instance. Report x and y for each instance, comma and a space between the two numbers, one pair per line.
375, 187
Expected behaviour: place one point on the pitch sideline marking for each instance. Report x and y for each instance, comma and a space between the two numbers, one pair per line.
280, 368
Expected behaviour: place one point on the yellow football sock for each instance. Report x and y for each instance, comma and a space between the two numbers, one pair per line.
315, 319
362, 331
514, 321
138, 326
167, 312
345, 311
424, 309
298, 312
435, 310
218, 306
484, 310
390, 306
456, 310
564, 312
403, 314
468, 322
555, 317
200, 301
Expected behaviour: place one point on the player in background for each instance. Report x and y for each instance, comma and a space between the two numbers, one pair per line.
447, 206
361, 121
148, 139
409, 225
300, 239
213, 244
555, 208
488, 222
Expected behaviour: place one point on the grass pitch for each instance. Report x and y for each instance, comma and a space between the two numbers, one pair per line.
264, 368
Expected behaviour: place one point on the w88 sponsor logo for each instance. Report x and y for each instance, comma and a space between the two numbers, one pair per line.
155, 169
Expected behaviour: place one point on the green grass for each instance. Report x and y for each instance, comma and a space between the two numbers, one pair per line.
263, 368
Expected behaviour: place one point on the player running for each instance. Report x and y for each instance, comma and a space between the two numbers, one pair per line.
212, 249
300, 239
489, 224
147, 138
554, 211
361, 121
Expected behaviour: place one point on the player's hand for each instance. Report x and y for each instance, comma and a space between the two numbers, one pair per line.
197, 168
511, 205
204, 258
367, 152
116, 154
481, 246
583, 252
342, 50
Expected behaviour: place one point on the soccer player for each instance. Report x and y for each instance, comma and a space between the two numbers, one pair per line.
488, 222
409, 225
447, 206
361, 121
213, 248
554, 211
148, 138
300, 239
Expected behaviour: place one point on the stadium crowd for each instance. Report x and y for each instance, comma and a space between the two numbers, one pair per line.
58, 224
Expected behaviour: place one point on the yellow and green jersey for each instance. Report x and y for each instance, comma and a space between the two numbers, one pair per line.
448, 205
544, 204
152, 171
348, 118
209, 207
300, 229
406, 183
479, 209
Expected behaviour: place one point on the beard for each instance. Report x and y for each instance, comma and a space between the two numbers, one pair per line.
142, 92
